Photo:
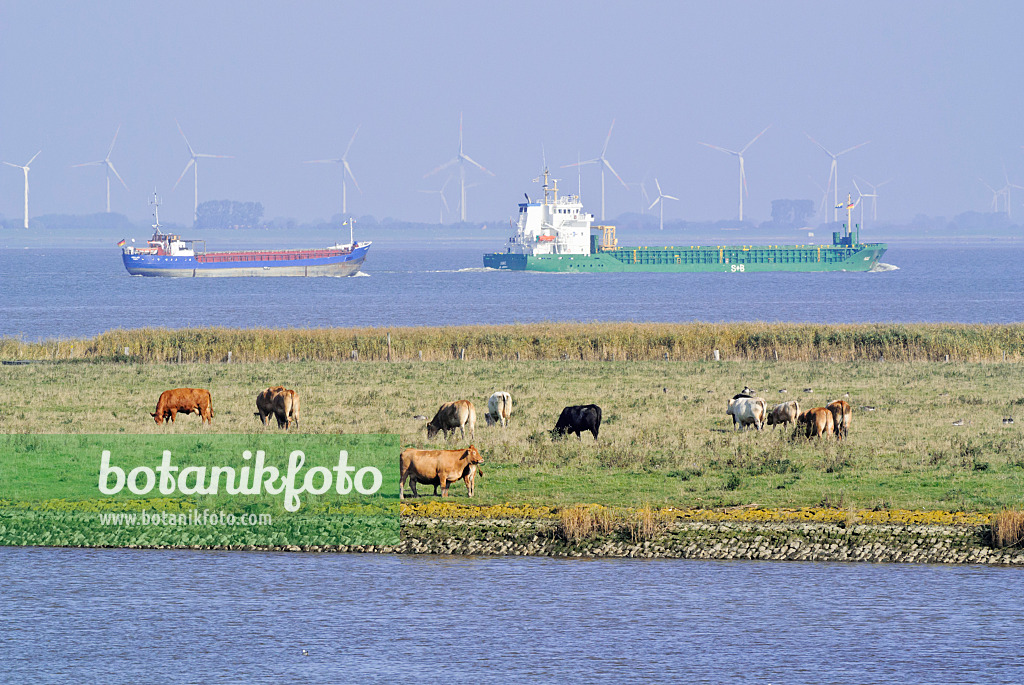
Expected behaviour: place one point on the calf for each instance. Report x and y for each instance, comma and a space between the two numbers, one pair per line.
782, 414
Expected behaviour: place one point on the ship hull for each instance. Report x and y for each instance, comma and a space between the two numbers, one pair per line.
251, 264
721, 259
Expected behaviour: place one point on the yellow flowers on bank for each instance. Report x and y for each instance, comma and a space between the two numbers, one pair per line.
440, 509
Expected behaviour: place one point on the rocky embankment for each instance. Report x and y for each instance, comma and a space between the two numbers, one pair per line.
711, 540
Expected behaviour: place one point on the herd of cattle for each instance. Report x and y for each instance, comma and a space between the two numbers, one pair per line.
832, 419
442, 468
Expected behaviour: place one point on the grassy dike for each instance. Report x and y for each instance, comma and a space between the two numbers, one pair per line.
906, 475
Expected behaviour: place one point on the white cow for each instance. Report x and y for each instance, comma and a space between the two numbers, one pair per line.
499, 408
746, 411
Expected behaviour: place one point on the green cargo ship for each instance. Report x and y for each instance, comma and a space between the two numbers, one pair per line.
557, 235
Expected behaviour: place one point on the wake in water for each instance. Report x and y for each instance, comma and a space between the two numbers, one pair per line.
467, 270
360, 273
883, 267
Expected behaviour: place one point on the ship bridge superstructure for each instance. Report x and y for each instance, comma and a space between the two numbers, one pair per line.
556, 225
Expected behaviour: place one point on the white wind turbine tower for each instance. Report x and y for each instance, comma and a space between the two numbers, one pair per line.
461, 160
25, 169
346, 171
192, 163
105, 162
739, 154
444, 202
833, 173
603, 162
661, 198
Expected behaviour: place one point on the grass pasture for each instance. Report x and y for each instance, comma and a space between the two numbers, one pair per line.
665, 438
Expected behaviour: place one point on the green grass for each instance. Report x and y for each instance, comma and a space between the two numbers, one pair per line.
665, 438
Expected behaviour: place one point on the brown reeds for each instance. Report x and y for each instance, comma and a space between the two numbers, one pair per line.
753, 341
1008, 528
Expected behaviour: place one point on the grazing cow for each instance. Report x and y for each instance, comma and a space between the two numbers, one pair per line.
282, 403
746, 411
842, 413
818, 422
452, 415
579, 418
784, 413
499, 408
184, 401
438, 467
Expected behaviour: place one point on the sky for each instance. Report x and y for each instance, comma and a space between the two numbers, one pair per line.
936, 87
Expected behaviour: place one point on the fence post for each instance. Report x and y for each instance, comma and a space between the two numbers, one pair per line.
229, 356
776, 350
179, 355
355, 355
421, 355
517, 356
389, 346
126, 351
718, 357
462, 355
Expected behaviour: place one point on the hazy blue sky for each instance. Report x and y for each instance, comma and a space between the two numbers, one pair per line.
936, 87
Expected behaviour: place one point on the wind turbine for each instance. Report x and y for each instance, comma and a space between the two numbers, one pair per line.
105, 162
644, 197
873, 195
739, 154
1006, 190
833, 173
603, 162
995, 195
444, 201
661, 198
192, 163
461, 160
25, 169
346, 171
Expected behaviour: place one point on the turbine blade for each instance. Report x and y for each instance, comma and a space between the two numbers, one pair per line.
670, 197
113, 141
756, 137
351, 140
609, 165
187, 144
323, 161
443, 166
658, 185
97, 163
477, 165
656, 201
823, 148
348, 170
16, 166
187, 167
110, 165
203, 154
608, 138
851, 149
720, 149
29, 162
589, 161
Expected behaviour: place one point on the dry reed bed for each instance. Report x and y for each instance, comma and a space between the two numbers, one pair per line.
544, 341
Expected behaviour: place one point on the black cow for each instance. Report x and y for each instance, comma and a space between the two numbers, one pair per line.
580, 418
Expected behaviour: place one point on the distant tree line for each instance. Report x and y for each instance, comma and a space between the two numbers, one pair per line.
229, 214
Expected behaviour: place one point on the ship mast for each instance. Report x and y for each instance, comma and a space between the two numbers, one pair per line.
155, 202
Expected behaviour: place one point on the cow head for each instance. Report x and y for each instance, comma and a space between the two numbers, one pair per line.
472, 456
431, 430
159, 419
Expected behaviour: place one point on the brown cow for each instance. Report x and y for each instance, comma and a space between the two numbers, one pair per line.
452, 415
842, 413
784, 413
281, 402
185, 401
438, 467
818, 421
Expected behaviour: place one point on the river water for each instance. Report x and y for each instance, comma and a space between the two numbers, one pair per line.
131, 616
54, 293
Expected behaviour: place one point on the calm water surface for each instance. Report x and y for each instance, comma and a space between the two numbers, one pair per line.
129, 616
52, 293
